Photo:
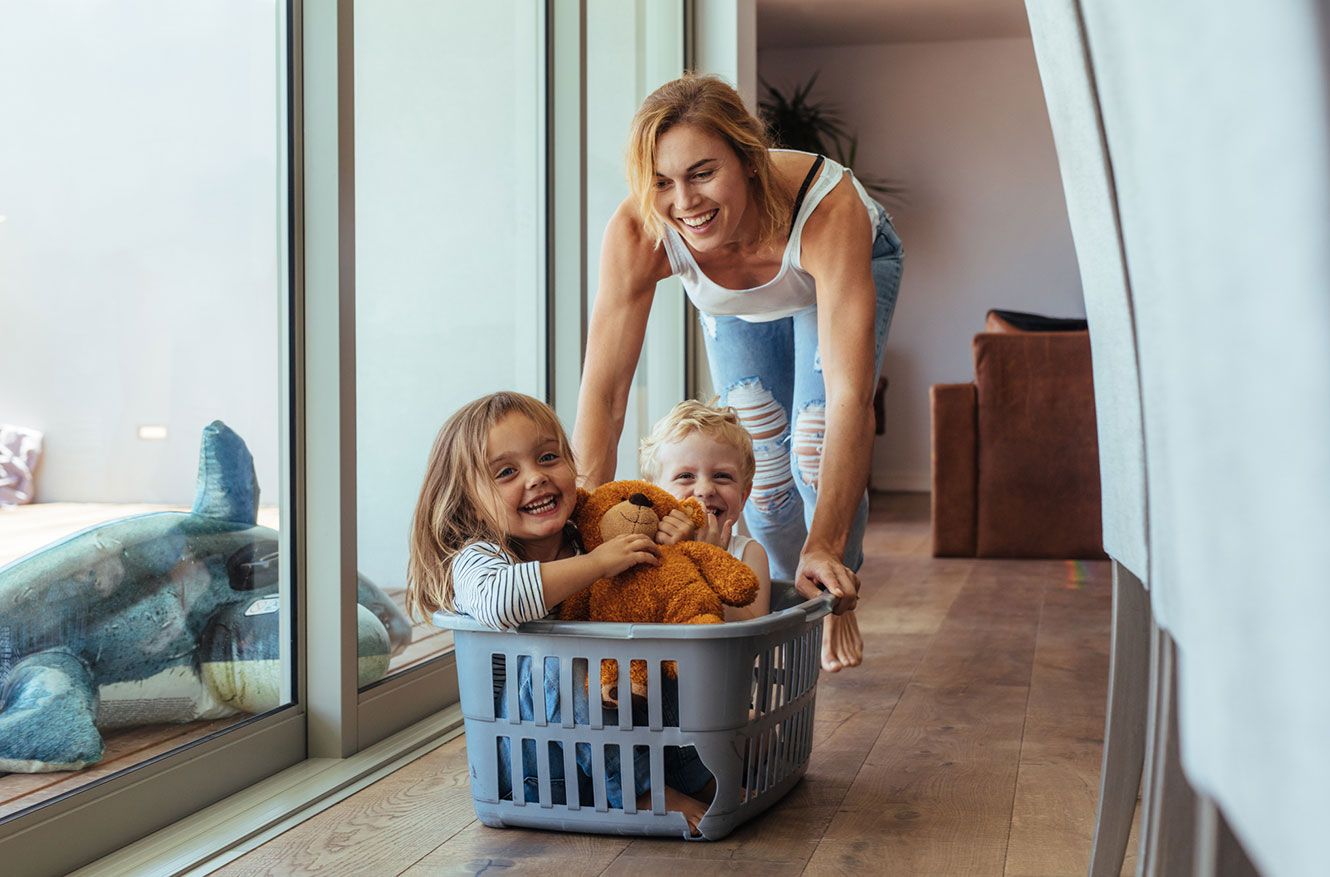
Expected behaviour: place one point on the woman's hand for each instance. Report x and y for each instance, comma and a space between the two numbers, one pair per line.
625, 552
824, 569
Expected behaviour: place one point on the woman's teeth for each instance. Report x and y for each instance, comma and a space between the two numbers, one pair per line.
537, 508
699, 221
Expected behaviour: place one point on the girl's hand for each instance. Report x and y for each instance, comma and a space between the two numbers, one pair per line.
625, 552
674, 528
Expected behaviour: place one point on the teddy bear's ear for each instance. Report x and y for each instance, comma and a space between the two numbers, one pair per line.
696, 511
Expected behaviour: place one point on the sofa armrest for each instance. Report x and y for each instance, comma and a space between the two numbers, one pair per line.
1038, 457
955, 477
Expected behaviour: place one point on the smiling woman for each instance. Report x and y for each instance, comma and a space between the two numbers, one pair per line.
781, 251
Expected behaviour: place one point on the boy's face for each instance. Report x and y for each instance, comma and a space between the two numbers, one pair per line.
707, 470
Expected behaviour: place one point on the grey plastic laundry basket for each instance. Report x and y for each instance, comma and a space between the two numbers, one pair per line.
746, 697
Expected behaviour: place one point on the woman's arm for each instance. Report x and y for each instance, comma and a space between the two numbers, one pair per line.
837, 250
630, 268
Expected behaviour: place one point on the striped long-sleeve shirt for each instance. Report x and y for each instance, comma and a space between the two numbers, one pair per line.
495, 589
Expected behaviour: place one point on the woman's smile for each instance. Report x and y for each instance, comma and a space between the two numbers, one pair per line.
702, 188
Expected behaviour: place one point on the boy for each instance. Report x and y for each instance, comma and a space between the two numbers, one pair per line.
705, 453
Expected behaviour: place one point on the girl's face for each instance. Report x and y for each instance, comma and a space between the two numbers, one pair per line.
707, 470
702, 188
533, 484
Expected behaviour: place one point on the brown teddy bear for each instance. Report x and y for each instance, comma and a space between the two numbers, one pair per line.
688, 587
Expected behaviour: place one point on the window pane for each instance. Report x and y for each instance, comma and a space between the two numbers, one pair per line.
143, 285
450, 300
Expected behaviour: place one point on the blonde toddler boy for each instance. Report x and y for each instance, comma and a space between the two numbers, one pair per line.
704, 453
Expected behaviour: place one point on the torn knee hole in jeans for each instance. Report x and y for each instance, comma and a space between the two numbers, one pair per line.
767, 423
809, 433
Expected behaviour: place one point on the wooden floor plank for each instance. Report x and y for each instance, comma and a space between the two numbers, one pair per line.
384, 829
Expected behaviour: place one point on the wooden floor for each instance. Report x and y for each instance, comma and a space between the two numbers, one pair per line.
968, 744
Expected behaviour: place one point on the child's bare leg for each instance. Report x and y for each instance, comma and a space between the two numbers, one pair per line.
692, 809
842, 646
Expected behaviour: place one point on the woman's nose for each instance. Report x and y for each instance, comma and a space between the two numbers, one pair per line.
684, 196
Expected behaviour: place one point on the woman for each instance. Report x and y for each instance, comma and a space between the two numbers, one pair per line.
795, 270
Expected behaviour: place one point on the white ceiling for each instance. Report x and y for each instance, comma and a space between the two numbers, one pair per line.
793, 23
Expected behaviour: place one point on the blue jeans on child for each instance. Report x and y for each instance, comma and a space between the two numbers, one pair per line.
684, 771
771, 371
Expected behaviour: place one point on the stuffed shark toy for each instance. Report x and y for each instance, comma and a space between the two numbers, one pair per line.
166, 617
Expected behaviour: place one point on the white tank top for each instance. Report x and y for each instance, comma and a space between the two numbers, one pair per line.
792, 289
738, 542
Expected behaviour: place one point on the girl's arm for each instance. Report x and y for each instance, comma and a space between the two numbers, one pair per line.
630, 267
563, 578
837, 249
501, 594
756, 558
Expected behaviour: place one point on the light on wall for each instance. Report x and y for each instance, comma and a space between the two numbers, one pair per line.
152, 433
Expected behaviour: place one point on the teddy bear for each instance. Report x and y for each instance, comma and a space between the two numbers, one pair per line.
688, 587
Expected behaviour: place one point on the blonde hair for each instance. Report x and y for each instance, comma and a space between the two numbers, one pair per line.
456, 499
711, 104
720, 424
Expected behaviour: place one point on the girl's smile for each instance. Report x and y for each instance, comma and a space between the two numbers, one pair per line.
533, 485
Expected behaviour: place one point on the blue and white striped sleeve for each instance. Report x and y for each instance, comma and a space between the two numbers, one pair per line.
495, 590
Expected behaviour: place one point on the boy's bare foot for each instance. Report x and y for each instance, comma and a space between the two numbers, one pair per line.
842, 646
692, 809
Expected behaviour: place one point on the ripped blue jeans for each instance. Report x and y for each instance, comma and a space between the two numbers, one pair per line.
768, 371
684, 770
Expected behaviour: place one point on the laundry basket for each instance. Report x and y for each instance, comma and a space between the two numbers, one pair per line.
746, 695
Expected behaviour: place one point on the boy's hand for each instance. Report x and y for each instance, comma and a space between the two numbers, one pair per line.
714, 533
625, 552
674, 528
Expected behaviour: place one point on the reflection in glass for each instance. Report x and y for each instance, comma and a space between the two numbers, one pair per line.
450, 296
142, 267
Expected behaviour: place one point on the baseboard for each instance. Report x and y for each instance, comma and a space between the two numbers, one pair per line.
902, 482
203, 842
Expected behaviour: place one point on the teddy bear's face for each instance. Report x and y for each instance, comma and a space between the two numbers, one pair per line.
621, 507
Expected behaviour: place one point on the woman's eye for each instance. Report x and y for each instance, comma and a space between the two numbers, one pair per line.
702, 175
662, 184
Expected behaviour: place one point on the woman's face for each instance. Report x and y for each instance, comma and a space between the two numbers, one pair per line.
702, 188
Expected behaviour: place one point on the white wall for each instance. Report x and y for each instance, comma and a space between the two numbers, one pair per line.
139, 254
964, 126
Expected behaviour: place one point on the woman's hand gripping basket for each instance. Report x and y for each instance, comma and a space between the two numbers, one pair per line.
743, 706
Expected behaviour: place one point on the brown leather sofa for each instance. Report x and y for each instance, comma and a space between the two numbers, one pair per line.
1015, 453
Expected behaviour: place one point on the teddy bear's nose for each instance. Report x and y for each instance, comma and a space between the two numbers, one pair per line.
640, 499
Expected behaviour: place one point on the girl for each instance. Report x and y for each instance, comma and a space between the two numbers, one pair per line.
491, 539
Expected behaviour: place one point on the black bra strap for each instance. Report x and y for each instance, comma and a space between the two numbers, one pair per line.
803, 190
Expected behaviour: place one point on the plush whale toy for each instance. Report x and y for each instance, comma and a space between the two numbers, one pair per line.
165, 617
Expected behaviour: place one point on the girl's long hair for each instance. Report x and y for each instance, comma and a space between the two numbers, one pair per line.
458, 504
714, 106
